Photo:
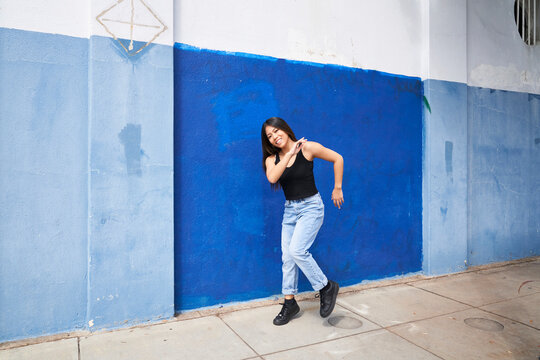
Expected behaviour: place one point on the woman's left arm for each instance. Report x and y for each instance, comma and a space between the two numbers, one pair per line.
316, 150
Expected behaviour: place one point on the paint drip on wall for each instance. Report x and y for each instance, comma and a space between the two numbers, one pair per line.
130, 137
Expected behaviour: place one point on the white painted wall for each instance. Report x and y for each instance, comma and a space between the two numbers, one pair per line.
66, 17
151, 18
497, 57
471, 41
78, 17
445, 35
381, 35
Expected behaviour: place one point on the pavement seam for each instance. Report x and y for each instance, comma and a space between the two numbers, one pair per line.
410, 342
319, 342
381, 329
389, 328
406, 322
244, 341
78, 348
475, 306
471, 307
35, 341
443, 296
507, 318
487, 304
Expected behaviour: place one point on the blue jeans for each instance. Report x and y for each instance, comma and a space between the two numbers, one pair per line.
302, 220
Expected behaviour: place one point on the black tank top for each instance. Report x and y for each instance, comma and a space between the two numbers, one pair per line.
298, 181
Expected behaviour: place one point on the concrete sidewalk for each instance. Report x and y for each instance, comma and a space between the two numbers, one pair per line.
489, 313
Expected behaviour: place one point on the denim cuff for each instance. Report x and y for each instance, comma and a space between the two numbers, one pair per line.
289, 291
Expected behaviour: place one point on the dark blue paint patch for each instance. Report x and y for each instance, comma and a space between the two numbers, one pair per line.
121, 46
228, 220
537, 141
130, 137
426, 103
533, 96
448, 149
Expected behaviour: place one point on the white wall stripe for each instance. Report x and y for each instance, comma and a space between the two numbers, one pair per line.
473, 42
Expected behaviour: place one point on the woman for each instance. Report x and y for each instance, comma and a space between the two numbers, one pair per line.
289, 163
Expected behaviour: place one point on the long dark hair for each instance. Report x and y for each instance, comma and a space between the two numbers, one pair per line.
269, 149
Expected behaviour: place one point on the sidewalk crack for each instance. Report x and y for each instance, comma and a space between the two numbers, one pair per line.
244, 341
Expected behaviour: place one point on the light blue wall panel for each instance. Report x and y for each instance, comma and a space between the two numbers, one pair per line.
86, 218
43, 182
445, 177
131, 184
504, 178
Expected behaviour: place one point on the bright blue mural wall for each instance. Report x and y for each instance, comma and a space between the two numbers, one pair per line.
227, 220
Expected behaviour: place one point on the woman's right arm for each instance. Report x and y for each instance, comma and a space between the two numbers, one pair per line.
274, 171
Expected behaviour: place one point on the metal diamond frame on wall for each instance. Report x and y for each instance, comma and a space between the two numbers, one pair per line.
130, 49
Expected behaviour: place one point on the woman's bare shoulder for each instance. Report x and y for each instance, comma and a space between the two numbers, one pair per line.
309, 148
270, 159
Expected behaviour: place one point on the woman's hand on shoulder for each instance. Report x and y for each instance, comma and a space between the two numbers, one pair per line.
298, 145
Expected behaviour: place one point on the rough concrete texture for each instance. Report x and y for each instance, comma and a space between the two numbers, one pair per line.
487, 286
485, 313
374, 345
65, 349
450, 337
256, 328
398, 304
201, 338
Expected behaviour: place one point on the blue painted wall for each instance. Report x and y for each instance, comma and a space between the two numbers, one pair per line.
131, 185
43, 177
227, 220
88, 137
86, 171
445, 177
504, 178
481, 176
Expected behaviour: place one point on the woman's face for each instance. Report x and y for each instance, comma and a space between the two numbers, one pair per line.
277, 137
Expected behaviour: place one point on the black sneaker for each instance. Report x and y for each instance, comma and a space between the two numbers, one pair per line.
289, 309
328, 297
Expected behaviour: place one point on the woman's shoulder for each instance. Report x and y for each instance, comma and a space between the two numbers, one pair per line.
271, 159
309, 149
311, 144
